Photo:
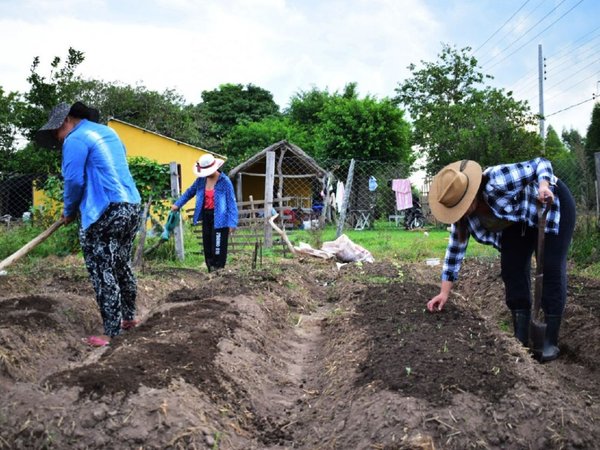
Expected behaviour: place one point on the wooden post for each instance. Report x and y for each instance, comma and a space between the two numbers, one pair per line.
238, 187
280, 187
138, 259
347, 191
178, 232
269, 182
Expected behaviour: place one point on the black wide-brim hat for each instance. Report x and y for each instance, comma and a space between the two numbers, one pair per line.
45, 137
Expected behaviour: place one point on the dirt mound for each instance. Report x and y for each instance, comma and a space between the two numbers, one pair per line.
301, 355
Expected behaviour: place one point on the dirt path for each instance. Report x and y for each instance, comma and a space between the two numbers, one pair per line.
296, 356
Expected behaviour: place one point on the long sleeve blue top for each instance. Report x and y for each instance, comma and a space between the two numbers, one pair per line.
95, 171
226, 211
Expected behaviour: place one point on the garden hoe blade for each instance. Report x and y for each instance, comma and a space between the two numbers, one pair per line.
537, 328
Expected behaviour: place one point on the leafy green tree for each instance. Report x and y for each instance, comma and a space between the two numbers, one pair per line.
45, 92
249, 138
8, 130
572, 138
32, 108
455, 116
233, 104
554, 148
165, 113
305, 107
592, 137
367, 128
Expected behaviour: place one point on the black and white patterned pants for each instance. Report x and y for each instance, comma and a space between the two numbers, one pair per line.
107, 246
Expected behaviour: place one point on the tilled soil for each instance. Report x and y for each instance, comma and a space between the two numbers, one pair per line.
299, 355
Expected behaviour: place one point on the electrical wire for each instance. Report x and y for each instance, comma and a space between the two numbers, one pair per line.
523, 35
503, 25
522, 21
570, 107
545, 29
573, 85
528, 82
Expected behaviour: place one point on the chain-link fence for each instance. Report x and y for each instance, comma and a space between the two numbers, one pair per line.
16, 197
365, 195
372, 195
382, 195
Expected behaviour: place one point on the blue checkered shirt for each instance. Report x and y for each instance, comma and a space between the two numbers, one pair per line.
511, 192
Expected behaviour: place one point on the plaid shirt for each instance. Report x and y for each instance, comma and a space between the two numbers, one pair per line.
511, 192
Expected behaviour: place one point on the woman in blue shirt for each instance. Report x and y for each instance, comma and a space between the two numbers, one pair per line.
498, 207
98, 186
216, 207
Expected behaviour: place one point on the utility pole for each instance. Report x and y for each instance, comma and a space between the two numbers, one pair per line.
541, 83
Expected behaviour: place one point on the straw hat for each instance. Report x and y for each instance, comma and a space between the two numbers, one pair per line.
453, 190
207, 165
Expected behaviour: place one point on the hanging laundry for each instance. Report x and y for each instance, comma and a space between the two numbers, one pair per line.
372, 183
402, 189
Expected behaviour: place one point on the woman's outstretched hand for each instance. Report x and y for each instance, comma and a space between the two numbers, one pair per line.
437, 303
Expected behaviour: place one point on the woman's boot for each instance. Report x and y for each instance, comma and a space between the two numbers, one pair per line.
521, 319
551, 350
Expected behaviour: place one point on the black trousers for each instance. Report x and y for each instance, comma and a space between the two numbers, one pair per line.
519, 242
214, 241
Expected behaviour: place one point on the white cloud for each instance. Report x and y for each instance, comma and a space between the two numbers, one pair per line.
281, 45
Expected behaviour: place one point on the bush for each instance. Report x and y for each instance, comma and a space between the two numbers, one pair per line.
585, 250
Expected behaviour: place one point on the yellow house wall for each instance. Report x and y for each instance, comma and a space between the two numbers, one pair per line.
139, 142
255, 186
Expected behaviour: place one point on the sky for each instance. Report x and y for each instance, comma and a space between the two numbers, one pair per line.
291, 46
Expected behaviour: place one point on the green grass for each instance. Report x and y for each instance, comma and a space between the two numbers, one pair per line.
384, 242
397, 243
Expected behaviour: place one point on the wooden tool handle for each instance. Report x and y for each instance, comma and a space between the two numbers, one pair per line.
539, 269
30, 245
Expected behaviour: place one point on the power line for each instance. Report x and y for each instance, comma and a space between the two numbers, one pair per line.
503, 25
522, 21
567, 50
545, 29
573, 85
555, 67
572, 74
572, 106
523, 35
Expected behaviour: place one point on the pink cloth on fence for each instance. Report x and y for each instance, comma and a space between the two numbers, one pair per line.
403, 194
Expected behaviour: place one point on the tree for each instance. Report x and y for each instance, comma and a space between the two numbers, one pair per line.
165, 113
592, 137
554, 147
31, 110
571, 138
363, 128
249, 138
306, 106
456, 117
8, 132
233, 104
44, 93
